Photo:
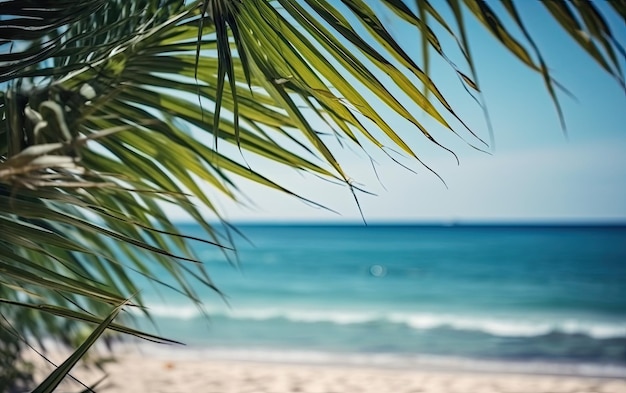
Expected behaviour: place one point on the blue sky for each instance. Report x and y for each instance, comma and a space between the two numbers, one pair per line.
535, 173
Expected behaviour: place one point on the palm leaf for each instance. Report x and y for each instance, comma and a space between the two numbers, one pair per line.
55, 378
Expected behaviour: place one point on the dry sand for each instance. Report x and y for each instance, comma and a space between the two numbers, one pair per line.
141, 373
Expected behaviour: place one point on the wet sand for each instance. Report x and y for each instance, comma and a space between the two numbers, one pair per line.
139, 373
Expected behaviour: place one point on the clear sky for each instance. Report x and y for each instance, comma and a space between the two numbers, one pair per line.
535, 172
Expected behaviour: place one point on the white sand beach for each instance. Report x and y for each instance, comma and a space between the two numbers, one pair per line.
139, 373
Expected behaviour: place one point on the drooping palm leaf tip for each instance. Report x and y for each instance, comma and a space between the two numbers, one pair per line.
111, 107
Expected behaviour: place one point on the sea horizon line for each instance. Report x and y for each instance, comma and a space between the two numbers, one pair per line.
582, 223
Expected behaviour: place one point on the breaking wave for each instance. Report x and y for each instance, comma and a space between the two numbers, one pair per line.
504, 327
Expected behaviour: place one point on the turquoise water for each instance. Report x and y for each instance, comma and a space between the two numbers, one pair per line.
409, 295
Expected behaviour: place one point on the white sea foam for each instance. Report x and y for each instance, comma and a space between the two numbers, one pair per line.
511, 327
492, 326
503, 327
336, 317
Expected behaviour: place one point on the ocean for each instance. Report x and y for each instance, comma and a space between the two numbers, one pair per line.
541, 299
